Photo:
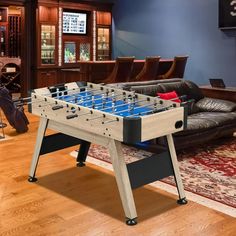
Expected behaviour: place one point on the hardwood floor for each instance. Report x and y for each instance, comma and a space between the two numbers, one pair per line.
68, 200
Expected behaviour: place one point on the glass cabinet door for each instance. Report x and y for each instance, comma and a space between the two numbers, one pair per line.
69, 52
84, 52
48, 44
103, 44
3, 40
76, 51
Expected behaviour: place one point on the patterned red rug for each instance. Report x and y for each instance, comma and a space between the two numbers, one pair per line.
207, 171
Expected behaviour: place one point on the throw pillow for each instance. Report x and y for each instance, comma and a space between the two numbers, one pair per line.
169, 96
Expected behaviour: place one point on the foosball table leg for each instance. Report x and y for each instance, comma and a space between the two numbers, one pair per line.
83, 152
182, 199
41, 131
123, 182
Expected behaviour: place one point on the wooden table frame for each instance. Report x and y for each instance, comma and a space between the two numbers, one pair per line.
121, 170
53, 114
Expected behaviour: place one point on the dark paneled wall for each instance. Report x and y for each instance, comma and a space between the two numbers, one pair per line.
176, 27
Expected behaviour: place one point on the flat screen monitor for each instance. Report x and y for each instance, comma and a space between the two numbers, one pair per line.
74, 22
217, 83
227, 14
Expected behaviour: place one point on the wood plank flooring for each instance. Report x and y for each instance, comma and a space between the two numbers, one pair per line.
68, 200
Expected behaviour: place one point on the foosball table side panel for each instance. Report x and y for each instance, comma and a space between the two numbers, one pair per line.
163, 123
79, 133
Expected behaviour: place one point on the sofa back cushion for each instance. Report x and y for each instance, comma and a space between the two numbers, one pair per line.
150, 90
182, 87
128, 85
188, 88
193, 91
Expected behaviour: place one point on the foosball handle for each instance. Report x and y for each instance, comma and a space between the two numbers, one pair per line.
71, 116
57, 107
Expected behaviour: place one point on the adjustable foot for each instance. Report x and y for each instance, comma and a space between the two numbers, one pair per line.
32, 179
131, 222
182, 201
80, 164
2, 125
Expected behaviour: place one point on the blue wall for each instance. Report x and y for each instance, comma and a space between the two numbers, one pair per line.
176, 27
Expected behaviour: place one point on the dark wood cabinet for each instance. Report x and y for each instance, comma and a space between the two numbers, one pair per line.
70, 75
48, 14
103, 40
61, 48
10, 32
3, 14
47, 46
47, 35
46, 77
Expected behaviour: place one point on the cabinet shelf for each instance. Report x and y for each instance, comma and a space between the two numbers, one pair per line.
103, 43
48, 46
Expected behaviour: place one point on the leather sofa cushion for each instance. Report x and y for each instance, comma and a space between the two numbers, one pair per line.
213, 105
219, 118
201, 121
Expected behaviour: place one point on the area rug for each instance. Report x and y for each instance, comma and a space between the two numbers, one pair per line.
208, 172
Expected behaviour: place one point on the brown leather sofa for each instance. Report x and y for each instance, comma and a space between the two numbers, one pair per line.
208, 118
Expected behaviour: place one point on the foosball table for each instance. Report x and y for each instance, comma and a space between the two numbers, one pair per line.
84, 113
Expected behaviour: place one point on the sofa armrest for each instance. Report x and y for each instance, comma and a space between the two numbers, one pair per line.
215, 105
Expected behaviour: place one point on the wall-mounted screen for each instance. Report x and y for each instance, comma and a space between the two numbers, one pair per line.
74, 22
227, 14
